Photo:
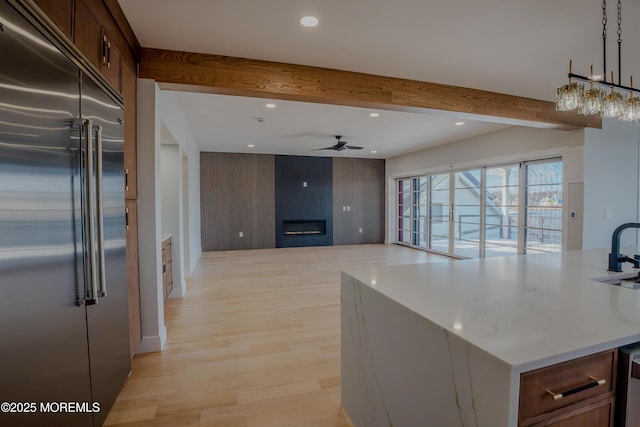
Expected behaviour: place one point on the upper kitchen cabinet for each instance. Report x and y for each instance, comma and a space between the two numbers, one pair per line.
99, 29
61, 12
96, 44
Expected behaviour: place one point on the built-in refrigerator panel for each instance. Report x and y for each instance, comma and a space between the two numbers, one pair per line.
63, 329
108, 319
43, 351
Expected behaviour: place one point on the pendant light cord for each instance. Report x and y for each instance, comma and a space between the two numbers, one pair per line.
619, 41
604, 40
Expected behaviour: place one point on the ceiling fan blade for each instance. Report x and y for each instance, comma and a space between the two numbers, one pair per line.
354, 147
333, 147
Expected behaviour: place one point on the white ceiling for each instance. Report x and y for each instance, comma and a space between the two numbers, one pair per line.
516, 47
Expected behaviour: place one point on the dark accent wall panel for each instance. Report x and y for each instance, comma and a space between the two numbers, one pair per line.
237, 195
295, 201
358, 188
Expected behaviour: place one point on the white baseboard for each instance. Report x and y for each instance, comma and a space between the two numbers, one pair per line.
152, 344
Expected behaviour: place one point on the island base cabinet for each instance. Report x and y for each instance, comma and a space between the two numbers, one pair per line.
576, 393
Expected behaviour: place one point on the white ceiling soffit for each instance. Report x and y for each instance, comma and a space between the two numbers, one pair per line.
230, 124
514, 47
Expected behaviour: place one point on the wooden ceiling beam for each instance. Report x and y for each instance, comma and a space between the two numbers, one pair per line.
197, 72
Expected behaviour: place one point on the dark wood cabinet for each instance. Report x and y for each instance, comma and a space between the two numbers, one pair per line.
133, 276
358, 201
575, 393
60, 12
167, 264
129, 84
87, 34
110, 60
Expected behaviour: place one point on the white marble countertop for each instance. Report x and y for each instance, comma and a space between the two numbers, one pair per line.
529, 311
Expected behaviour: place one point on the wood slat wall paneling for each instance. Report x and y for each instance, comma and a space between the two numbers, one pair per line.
373, 200
294, 201
237, 195
246, 77
342, 197
358, 184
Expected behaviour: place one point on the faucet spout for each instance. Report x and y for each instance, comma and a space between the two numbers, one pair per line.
615, 257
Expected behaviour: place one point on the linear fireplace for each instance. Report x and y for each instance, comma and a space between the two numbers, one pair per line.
304, 227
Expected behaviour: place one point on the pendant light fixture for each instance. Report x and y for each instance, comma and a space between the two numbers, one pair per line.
607, 98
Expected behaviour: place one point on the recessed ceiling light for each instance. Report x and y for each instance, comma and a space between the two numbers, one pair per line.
374, 115
459, 123
596, 77
309, 21
373, 151
250, 145
270, 105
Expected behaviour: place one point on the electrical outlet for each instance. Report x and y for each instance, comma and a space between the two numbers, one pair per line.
348, 208
304, 184
241, 234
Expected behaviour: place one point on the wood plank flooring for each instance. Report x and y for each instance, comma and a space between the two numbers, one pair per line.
254, 343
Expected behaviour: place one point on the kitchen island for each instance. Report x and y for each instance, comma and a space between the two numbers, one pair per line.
445, 343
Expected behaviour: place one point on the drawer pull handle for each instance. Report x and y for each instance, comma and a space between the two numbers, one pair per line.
591, 384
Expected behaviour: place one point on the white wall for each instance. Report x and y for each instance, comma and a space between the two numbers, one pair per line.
610, 182
173, 118
494, 147
154, 332
159, 110
172, 216
502, 146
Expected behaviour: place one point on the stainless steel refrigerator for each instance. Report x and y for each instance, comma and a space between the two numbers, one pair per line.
64, 343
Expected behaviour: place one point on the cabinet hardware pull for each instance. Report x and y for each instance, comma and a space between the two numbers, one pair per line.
126, 218
104, 49
126, 180
591, 384
108, 54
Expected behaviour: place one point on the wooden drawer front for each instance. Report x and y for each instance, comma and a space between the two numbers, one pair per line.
597, 414
535, 386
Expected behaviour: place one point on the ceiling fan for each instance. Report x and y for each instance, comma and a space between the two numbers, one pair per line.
341, 145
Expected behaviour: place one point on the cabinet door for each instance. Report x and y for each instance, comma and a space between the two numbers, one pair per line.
133, 277
87, 34
61, 12
130, 157
111, 63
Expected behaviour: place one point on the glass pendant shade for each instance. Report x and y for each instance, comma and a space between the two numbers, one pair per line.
613, 106
631, 110
591, 102
568, 97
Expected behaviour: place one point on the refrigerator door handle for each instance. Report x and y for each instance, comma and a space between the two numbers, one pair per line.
102, 292
91, 270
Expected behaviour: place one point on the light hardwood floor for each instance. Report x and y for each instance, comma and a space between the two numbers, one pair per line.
254, 343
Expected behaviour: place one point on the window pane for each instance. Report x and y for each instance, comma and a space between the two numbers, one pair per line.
543, 210
544, 173
466, 213
502, 176
543, 241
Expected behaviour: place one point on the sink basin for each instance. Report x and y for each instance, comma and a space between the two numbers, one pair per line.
628, 280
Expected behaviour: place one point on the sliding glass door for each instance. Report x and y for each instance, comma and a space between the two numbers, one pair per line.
502, 195
466, 213
484, 212
543, 207
439, 214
